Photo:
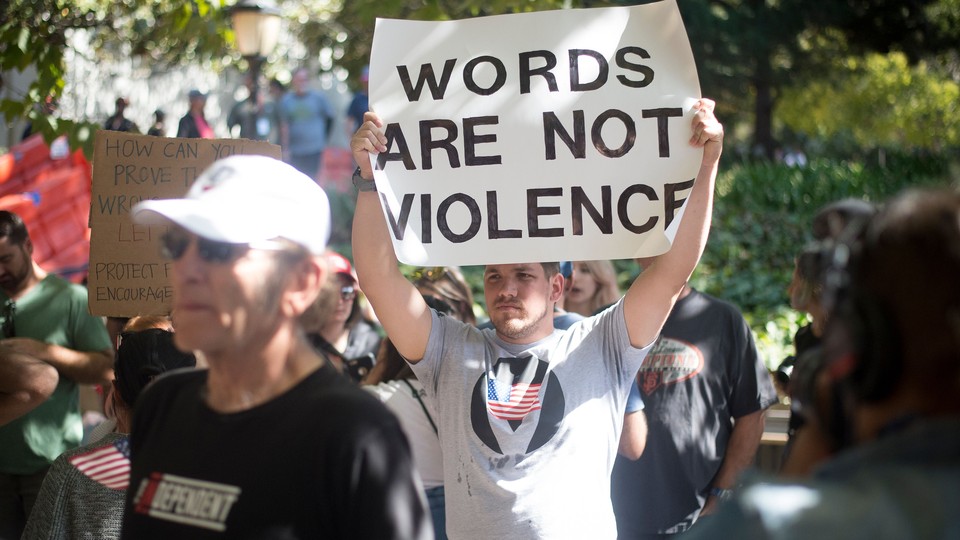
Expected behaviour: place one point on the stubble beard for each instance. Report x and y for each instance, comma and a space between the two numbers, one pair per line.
521, 327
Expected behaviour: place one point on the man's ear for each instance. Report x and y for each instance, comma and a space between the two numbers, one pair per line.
28, 246
556, 287
304, 286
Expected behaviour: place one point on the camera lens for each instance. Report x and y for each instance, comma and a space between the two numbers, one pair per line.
785, 370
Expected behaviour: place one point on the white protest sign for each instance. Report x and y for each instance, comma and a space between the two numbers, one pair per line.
536, 136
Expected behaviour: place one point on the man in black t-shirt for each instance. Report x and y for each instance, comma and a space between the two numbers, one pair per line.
269, 442
704, 391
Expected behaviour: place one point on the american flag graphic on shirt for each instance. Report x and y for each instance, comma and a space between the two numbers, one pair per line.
511, 401
108, 465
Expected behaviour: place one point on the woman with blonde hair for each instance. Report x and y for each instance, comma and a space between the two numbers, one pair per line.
594, 287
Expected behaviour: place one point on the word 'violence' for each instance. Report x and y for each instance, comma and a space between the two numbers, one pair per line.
580, 205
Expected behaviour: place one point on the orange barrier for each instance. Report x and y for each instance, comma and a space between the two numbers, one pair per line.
52, 196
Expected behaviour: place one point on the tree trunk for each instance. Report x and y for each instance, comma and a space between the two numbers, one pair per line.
764, 143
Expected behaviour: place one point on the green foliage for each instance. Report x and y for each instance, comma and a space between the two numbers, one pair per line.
877, 100
748, 51
34, 35
761, 221
342, 206
773, 332
168, 32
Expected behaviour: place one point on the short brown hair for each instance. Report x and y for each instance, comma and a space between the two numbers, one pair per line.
550, 268
13, 228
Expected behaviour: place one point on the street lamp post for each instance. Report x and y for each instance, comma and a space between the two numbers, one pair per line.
256, 25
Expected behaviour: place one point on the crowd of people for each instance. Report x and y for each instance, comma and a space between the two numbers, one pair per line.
299, 118
309, 395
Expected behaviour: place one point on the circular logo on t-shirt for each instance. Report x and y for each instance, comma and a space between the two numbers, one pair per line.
669, 362
514, 391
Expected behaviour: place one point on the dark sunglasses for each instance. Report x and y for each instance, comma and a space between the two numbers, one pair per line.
174, 243
348, 293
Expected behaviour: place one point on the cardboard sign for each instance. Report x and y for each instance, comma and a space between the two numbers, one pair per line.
127, 276
536, 136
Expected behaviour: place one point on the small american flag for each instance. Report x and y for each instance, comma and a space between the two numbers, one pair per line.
108, 465
511, 401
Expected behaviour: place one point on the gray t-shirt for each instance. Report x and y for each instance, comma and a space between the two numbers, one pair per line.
529, 432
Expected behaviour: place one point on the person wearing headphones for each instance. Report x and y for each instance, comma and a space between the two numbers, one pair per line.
882, 397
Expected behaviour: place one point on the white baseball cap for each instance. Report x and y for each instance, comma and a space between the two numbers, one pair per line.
244, 199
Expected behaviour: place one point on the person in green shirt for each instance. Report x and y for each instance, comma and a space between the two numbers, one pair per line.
44, 317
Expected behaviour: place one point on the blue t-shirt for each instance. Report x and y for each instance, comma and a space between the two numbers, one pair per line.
359, 105
307, 118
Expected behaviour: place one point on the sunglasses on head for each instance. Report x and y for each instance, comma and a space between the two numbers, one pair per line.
348, 293
174, 243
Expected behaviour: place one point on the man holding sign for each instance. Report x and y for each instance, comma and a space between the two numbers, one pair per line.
529, 417
566, 143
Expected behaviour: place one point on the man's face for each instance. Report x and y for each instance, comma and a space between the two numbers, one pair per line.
520, 300
15, 266
300, 81
225, 306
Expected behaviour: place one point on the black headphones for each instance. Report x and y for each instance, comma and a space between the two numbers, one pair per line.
861, 349
874, 342
916, 237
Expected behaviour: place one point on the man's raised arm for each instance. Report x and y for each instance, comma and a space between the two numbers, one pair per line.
399, 307
650, 299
